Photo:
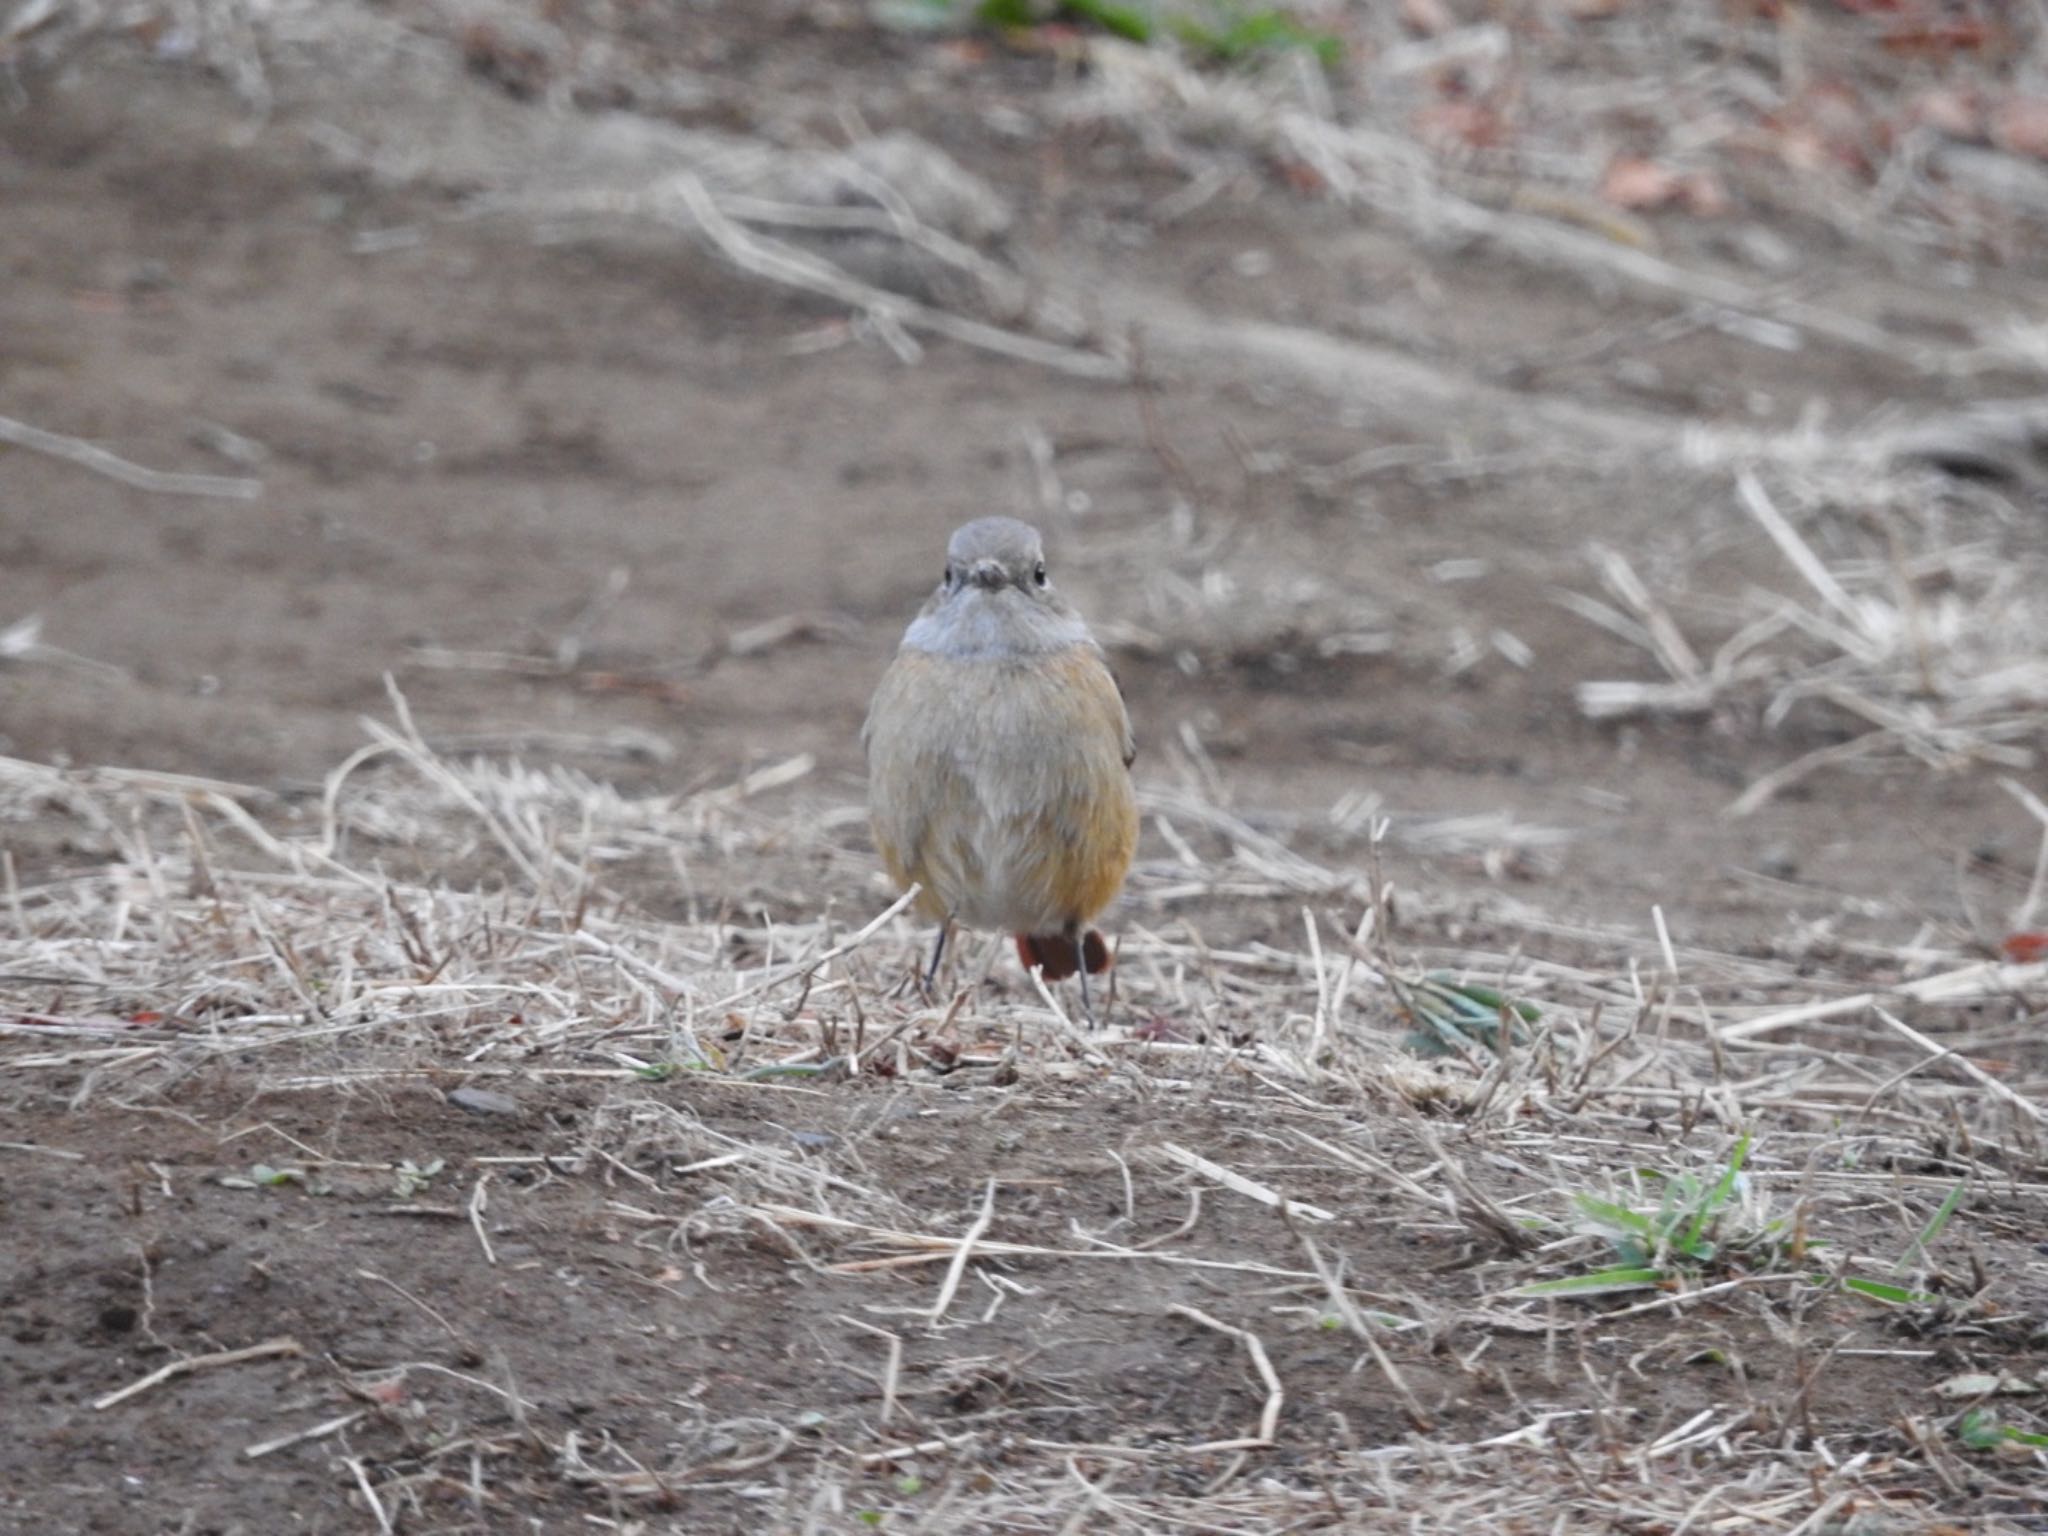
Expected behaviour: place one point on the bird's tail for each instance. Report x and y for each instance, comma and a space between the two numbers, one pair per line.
1060, 957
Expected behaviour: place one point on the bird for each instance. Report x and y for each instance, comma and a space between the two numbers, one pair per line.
999, 755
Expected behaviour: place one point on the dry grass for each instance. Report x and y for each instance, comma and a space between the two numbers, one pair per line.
1324, 1111
1519, 169
1921, 626
478, 928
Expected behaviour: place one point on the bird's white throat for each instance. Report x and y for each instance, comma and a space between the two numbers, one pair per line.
974, 625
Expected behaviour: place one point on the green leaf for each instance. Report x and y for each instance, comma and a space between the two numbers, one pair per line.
1132, 22
1482, 998
1237, 34
1126, 21
1879, 1290
1933, 1229
1980, 1430
1599, 1283
1722, 1190
411, 1177
1479, 1004
1607, 1213
1456, 1032
1443, 1037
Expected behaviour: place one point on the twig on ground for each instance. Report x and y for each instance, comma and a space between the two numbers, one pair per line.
318, 1431
1251, 1189
268, 1350
377, 1510
1969, 1068
950, 1287
478, 1203
114, 467
783, 263
1276, 1398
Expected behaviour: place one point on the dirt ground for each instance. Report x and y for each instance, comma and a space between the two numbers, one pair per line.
467, 436
553, 486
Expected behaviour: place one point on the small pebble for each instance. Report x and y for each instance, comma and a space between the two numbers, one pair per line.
482, 1101
1779, 862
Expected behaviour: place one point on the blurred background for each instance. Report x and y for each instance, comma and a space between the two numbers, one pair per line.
1604, 436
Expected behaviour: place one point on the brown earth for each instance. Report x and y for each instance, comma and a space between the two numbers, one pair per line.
469, 435
465, 432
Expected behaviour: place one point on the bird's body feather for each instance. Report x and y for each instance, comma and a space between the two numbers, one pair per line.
1001, 786
999, 757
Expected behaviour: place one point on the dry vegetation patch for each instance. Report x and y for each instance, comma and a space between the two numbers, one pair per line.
599, 1180
464, 1141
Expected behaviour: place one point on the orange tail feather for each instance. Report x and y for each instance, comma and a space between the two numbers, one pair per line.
1060, 957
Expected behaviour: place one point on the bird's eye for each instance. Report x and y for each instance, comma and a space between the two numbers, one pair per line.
1038, 573
946, 576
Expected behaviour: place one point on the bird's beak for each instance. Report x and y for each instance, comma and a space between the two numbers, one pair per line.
989, 574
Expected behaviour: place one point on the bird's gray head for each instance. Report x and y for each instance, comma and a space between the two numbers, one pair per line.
996, 597
992, 553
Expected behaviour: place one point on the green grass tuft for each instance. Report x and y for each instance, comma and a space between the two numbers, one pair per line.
1217, 31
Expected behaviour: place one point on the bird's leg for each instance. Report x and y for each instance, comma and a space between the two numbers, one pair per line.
931, 972
1073, 932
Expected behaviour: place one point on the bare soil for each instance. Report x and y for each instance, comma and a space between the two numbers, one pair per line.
619, 456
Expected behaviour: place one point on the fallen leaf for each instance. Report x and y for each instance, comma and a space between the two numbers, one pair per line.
1704, 194
1302, 177
1957, 112
1429, 18
962, 52
1460, 125
1824, 127
1937, 39
1634, 182
2019, 124
659, 688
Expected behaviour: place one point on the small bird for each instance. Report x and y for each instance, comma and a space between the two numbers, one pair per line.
999, 755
